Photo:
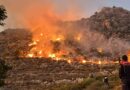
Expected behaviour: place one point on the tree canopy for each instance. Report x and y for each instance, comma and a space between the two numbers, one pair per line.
3, 15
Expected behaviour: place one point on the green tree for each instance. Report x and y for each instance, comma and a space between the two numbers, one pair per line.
3, 15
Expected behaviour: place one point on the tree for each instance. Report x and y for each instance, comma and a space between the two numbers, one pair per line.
3, 15
3, 70
3, 67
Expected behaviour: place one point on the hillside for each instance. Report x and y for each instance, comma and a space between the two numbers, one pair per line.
43, 73
109, 21
103, 32
106, 29
14, 41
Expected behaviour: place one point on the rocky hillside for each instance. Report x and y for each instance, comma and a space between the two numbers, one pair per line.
109, 21
14, 41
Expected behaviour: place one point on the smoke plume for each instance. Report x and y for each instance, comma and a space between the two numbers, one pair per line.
46, 22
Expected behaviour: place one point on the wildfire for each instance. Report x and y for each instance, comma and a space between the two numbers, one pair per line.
83, 61
128, 53
78, 37
99, 62
40, 52
57, 59
30, 55
37, 41
47, 39
49, 36
100, 50
35, 48
52, 55
69, 61
33, 43
58, 39
41, 34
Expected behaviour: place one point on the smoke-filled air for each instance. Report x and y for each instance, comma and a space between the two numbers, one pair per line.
58, 35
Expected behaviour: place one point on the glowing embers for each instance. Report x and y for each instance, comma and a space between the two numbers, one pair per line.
78, 37
58, 38
69, 61
52, 55
84, 61
99, 62
100, 50
33, 43
40, 52
41, 34
30, 55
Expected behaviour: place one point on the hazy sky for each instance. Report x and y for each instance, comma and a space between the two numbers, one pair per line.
85, 8
90, 6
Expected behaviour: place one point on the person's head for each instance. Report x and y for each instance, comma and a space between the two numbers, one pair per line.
124, 58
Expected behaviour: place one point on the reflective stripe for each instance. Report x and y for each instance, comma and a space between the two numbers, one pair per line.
125, 63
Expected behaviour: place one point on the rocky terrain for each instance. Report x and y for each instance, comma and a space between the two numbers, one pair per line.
110, 21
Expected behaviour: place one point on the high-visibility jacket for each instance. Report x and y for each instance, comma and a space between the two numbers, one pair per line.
124, 70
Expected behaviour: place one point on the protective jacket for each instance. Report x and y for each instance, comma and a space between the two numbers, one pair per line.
124, 70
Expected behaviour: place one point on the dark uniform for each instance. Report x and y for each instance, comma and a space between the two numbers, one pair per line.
124, 74
105, 80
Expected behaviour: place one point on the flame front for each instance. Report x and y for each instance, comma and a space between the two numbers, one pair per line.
30, 55
52, 55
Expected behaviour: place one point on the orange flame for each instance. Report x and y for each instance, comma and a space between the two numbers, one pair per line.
44, 25
69, 61
99, 62
52, 55
30, 55
83, 61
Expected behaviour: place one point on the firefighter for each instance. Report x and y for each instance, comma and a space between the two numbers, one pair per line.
91, 75
105, 81
124, 73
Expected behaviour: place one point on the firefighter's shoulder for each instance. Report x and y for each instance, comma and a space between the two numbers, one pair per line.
125, 63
